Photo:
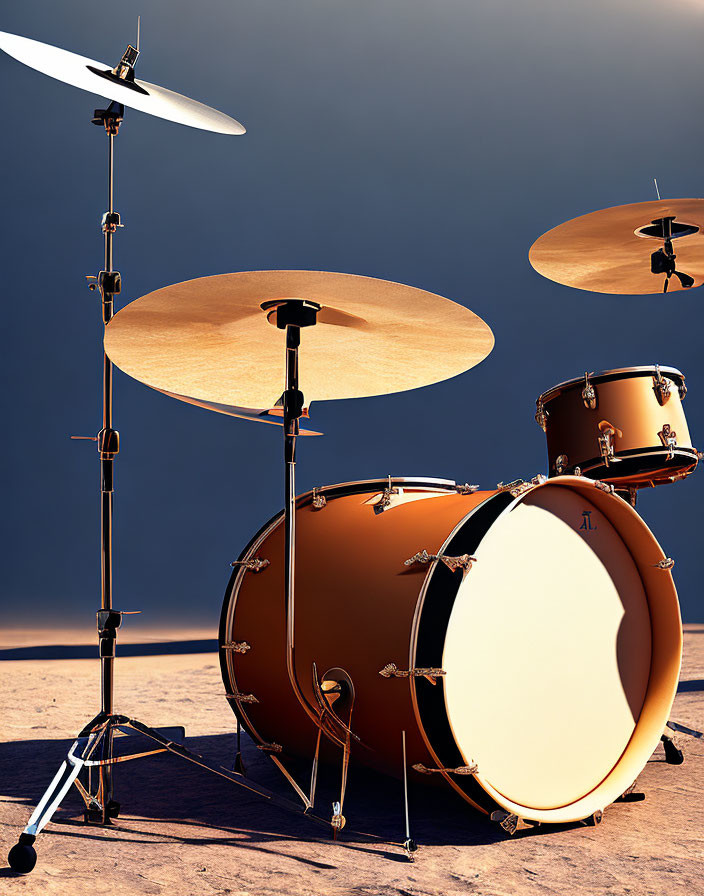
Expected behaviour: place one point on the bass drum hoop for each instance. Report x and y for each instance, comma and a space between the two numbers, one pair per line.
666, 629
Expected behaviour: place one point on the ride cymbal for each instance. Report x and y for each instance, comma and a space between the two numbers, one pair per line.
638, 249
118, 84
208, 341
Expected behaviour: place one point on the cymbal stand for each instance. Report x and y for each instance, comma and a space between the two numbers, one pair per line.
292, 315
93, 748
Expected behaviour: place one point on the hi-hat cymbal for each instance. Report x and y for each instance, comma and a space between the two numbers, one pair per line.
609, 251
208, 341
96, 77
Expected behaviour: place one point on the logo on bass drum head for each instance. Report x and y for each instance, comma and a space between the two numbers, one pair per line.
586, 523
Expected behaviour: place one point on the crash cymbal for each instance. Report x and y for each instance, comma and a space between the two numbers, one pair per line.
209, 341
612, 250
101, 79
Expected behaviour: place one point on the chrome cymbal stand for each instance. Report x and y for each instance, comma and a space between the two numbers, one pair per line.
293, 315
93, 749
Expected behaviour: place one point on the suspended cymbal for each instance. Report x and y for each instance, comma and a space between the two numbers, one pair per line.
209, 341
96, 77
608, 251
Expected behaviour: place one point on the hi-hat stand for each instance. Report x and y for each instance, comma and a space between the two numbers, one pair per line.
94, 748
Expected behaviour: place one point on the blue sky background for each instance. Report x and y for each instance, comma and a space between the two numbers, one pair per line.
428, 143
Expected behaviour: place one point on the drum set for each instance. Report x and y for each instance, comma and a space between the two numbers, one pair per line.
520, 645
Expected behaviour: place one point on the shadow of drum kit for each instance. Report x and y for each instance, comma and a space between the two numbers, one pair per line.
412, 625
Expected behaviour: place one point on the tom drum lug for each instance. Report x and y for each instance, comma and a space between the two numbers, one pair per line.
662, 387
561, 463
589, 396
669, 439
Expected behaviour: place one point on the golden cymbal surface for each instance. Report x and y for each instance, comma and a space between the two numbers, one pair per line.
208, 341
602, 251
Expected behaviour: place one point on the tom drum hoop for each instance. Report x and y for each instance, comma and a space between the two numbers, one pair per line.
526, 639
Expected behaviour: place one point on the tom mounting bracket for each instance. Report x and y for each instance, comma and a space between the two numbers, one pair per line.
662, 261
110, 118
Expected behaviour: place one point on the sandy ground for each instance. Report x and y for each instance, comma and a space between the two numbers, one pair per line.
183, 831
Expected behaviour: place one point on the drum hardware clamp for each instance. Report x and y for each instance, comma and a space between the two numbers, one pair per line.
666, 563
318, 500
237, 646
661, 386
541, 416
464, 561
460, 770
384, 501
520, 486
669, 439
254, 563
241, 698
391, 670
589, 394
466, 489
605, 487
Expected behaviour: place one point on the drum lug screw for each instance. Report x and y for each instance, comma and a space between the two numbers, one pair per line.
466, 489
255, 564
237, 646
667, 563
464, 561
589, 394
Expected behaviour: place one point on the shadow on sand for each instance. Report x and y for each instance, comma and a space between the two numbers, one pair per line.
90, 651
166, 789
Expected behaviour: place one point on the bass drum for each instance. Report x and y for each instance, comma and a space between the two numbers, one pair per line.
550, 664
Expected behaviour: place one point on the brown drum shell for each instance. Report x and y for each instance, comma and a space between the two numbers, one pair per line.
340, 622
360, 608
628, 400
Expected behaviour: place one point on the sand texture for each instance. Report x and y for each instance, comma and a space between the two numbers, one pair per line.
184, 831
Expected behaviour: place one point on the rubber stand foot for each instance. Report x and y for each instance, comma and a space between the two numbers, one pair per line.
673, 756
22, 857
410, 846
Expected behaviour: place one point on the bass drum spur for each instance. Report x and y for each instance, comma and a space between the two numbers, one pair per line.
527, 640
